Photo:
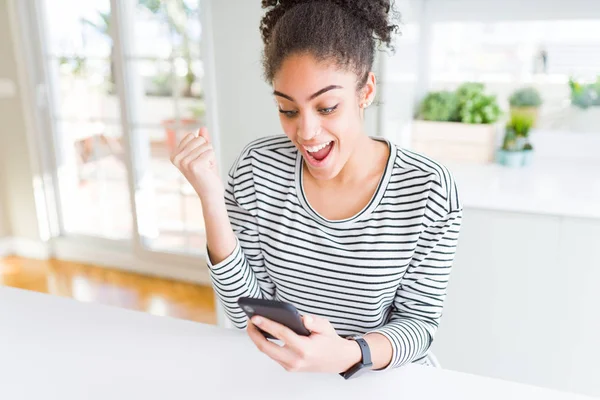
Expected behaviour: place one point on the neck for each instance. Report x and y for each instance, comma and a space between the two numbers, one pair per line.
361, 164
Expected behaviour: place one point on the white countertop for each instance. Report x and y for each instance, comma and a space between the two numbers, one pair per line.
549, 186
57, 348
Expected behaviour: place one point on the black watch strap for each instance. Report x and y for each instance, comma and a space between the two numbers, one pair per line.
365, 350
364, 363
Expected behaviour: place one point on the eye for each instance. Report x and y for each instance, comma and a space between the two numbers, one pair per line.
327, 111
288, 114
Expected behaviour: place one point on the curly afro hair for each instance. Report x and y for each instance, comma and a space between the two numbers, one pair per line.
344, 32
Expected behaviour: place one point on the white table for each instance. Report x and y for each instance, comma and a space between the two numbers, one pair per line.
57, 348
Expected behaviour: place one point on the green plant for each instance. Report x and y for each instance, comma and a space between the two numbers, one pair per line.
480, 109
438, 106
468, 104
525, 97
469, 89
585, 95
476, 107
517, 133
510, 140
521, 124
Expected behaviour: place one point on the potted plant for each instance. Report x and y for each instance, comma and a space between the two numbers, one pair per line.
526, 100
510, 154
584, 95
439, 106
458, 125
516, 149
585, 106
522, 124
476, 107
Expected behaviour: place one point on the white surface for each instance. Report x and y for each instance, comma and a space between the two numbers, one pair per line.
555, 187
4, 224
55, 348
523, 303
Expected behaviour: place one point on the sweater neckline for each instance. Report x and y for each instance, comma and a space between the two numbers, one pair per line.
367, 210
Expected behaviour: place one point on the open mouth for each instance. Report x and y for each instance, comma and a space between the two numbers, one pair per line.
317, 156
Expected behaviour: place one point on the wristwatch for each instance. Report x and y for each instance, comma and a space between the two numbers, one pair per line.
364, 364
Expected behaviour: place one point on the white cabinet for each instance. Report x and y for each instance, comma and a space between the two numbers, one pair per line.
523, 302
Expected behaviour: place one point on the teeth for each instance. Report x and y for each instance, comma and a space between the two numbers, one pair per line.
314, 149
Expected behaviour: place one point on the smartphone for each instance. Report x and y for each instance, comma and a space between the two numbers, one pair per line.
278, 311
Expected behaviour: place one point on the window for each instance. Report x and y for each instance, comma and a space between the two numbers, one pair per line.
113, 138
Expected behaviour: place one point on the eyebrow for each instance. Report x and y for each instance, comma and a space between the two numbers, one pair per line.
312, 96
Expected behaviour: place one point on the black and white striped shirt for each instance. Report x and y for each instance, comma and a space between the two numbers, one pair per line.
384, 270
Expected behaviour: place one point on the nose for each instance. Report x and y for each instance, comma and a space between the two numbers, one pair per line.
308, 128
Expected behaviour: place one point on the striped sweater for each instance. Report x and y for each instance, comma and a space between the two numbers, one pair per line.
384, 270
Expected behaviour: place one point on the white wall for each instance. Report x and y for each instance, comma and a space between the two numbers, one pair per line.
4, 224
246, 110
523, 302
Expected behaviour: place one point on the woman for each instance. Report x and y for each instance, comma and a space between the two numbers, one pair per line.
358, 234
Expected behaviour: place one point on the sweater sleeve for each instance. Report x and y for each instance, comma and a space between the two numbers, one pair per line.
243, 272
419, 300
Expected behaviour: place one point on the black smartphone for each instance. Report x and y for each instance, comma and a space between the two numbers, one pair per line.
278, 311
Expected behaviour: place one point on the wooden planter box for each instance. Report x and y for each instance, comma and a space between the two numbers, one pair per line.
454, 141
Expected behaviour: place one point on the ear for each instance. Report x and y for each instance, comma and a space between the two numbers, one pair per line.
369, 91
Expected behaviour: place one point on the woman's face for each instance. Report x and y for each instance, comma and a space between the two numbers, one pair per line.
320, 111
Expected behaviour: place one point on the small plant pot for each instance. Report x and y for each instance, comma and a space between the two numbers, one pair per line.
527, 157
521, 141
500, 156
512, 159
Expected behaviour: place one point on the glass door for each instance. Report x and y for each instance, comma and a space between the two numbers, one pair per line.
163, 91
125, 82
83, 107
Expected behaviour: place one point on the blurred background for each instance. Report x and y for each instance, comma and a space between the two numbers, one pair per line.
94, 94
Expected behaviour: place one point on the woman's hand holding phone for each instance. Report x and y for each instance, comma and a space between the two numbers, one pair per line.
323, 351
